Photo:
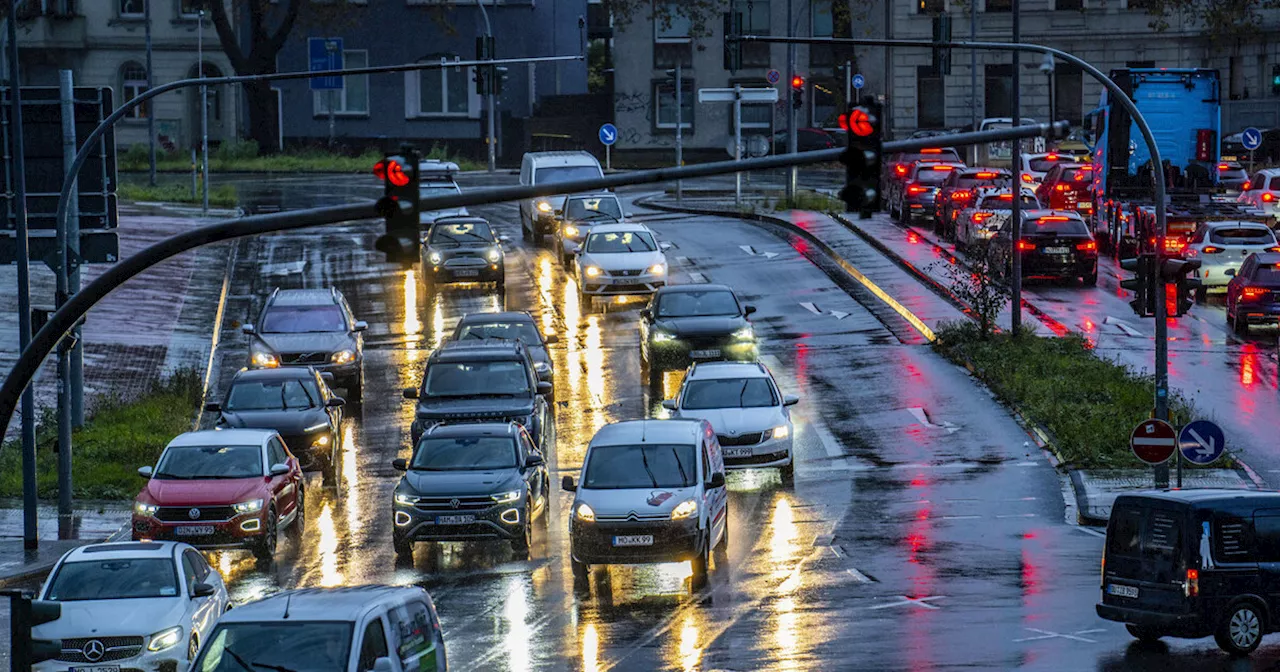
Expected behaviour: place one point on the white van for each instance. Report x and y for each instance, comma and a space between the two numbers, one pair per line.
538, 215
651, 491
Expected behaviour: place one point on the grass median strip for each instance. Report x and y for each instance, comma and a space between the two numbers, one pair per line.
1088, 405
222, 195
241, 156
114, 442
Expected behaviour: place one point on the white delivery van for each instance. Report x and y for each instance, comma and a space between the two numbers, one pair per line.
538, 215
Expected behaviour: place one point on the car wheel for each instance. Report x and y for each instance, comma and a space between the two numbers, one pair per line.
722, 550
905, 217
299, 519
1143, 634
525, 227
536, 236
581, 573
1239, 324
700, 564
193, 648
788, 473
1202, 294
265, 549
329, 465
1091, 280
403, 547
1241, 630
521, 544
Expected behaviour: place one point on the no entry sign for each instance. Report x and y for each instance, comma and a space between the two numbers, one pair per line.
1153, 441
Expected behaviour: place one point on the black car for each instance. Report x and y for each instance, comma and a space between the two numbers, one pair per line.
462, 249
470, 481
685, 323
295, 402
1252, 292
310, 328
1055, 244
513, 325
1194, 563
482, 381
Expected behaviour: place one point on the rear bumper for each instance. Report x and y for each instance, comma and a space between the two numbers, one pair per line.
1259, 314
1183, 625
1037, 265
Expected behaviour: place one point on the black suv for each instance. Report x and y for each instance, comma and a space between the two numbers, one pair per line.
513, 325
685, 323
295, 402
470, 481
310, 327
1194, 563
482, 381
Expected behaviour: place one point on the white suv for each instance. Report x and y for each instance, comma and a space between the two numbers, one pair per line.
751, 418
131, 605
1263, 191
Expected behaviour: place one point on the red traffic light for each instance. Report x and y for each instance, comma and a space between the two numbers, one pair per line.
859, 123
391, 170
380, 170
797, 82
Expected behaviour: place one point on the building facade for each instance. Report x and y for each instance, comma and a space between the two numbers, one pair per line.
103, 43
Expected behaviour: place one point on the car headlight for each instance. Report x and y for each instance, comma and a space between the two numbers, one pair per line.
264, 359
435, 258
657, 269
542, 367
405, 500
165, 639
570, 231
145, 509
660, 336
592, 271
249, 506
494, 255
504, 497
544, 206
684, 509
780, 432
344, 357
745, 334
585, 513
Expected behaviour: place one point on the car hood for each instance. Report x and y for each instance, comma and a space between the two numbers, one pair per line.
115, 618
623, 261
641, 500
290, 422
474, 409
733, 421
214, 492
437, 483
711, 325
321, 341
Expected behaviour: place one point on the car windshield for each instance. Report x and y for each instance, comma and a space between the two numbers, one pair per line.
454, 234
728, 393
1260, 235
935, 155
461, 453
932, 175
698, 303
981, 179
272, 395
565, 173
641, 466
524, 332
200, 462
277, 645
1005, 202
593, 208
1055, 225
303, 320
113, 580
615, 242
1267, 274
472, 379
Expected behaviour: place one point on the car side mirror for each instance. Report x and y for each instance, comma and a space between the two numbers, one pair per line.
669, 404
534, 461
213, 407
504, 238
645, 313
747, 310
336, 402
383, 664
201, 590
544, 387
361, 325
568, 485
145, 472
247, 329
279, 469
410, 393
577, 251
790, 400
327, 377
717, 480
400, 464
1230, 272
550, 339
628, 215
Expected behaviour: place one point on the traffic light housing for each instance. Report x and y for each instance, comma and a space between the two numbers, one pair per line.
24, 614
1177, 272
732, 48
399, 206
797, 92
1142, 284
862, 159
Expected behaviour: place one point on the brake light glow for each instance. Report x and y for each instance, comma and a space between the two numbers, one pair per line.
1267, 197
1245, 186
915, 189
1253, 293
1223, 166
1024, 246
931, 151
1053, 218
1191, 588
1087, 246
1059, 187
1273, 249
1027, 178
1006, 197
980, 217
945, 169
985, 175
900, 169
960, 195
1209, 249
1051, 157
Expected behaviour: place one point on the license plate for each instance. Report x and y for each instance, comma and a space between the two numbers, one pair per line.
1122, 591
737, 452
705, 354
455, 520
192, 531
95, 668
467, 274
1057, 250
633, 540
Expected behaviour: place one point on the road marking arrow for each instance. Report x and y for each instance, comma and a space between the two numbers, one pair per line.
748, 249
769, 255
811, 308
839, 315
1128, 330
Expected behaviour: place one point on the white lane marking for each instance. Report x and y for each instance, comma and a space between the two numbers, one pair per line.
958, 517
903, 600
1017, 515
923, 419
1090, 530
1123, 326
698, 277
858, 576
748, 249
830, 445
769, 255
1049, 634
839, 315
682, 261
811, 307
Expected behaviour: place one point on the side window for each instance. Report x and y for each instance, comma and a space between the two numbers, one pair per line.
1266, 529
414, 635
1122, 536
526, 444
199, 567
188, 572
1258, 183
1198, 236
706, 460
276, 452
373, 645
1233, 539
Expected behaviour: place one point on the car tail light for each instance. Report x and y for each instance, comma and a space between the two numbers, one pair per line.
1191, 587
1274, 249
1267, 197
1253, 293
1209, 249
900, 169
985, 176
931, 151
1087, 246
1027, 178
1223, 167
944, 169
1245, 186
960, 195
1024, 246
916, 189
1059, 187
1051, 157
980, 217
1053, 218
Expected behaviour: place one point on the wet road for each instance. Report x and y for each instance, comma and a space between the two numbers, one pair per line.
924, 531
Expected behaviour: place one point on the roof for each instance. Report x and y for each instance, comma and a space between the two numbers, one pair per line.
471, 429
1267, 257
562, 159
224, 437
1236, 225
1037, 213
699, 287
484, 349
459, 219
971, 170
506, 316
122, 550
704, 370
927, 164
594, 194
311, 604
620, 227
303, 297
1208, 496
1269, 172
647, 431
282, 372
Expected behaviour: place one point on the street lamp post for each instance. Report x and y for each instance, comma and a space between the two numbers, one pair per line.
204, 117
490, 86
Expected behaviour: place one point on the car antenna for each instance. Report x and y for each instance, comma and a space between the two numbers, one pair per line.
287, 599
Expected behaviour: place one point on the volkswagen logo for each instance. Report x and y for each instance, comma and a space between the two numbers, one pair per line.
93, 650
455, 503
194, 514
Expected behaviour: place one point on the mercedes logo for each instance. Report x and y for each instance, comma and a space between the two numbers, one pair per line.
194, 514
455, 503
93, 650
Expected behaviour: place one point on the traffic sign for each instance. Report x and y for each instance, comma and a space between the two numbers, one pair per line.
773, 76
859, 81
1251, 138
1153, 441
1201, 442
608, 134
325, 53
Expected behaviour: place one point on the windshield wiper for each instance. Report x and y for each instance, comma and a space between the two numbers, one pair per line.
743, 392
644, 458
176, 477
684, 478
311, 403
239, 661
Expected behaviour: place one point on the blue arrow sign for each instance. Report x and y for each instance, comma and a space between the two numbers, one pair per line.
608, 134
1251, 138
859, 81
1201, 442
325, 53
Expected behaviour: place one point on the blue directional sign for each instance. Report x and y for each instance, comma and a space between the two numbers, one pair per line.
1201, 442
325, 53
773, 76
1251, 138
859, 81
608, 134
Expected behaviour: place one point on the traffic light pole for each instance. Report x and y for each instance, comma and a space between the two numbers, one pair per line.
490, 87
1015, 159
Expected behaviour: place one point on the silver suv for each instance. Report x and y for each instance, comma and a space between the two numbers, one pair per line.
310, 327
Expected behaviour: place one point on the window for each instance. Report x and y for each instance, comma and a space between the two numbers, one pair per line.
439, 92
830, 19
931, 6
823, 19
664, 101
1233, 539
672, 41
755, 116
931, 111
188, 572
276, 452
1122, 537
1068, 93
1266, 529
199, 568
373, 645
213, 95
131, 8
999, 5
1138, 4
190, 9
133, 81
755, 21
353, 98
413, 635
999, 90
1072, 5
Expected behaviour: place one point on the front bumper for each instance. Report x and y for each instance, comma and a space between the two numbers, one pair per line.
171, 659
230, 534
412, 523
683, 351
465, 272
605, 285
768, 453
673, 541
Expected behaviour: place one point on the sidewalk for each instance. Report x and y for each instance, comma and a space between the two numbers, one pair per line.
895, 270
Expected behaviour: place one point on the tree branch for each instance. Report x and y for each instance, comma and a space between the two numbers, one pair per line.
277, 39
227, 37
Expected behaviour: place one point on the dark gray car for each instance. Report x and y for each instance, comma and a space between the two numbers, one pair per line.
310, 327
512, 325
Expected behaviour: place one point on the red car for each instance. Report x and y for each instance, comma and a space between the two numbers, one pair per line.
1066, 187
232, 488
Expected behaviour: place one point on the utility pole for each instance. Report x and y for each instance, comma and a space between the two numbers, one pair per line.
204, 117
1016, 158
491, 138
151, 121
973, 76
886, 110
679, 128
848, 86
791, 109
68, 237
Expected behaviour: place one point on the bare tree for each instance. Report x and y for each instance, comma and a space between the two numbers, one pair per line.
981, 284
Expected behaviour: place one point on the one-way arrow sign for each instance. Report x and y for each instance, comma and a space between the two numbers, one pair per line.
1201, 442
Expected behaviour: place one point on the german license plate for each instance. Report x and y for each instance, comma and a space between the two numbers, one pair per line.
95, 668
1122, 591
455, 520
737, 452
705, 354
1057, 250
192, 531
1084, 205
633, 540
467, 273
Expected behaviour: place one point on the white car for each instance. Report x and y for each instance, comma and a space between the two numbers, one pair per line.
1263, 191
131, 605
751, 417
1222, 246
988, 213
436, 178
618, 259
580, 213
1036, 166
